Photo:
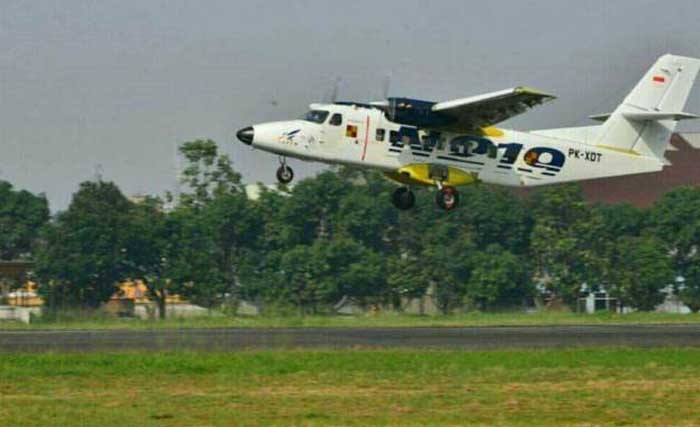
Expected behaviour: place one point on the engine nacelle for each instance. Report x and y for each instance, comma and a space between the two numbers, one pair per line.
414, 112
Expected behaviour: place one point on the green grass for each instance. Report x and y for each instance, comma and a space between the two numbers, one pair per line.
376, 320
586, 387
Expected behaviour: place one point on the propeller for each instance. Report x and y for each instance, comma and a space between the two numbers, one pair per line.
386, 86
332, 96
387, 105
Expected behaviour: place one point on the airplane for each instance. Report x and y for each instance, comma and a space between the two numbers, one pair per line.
454, 143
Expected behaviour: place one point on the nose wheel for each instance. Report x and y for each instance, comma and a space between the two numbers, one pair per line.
447, 198
403, 198
285, 174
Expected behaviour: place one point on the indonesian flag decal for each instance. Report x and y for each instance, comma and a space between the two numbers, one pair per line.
659, 79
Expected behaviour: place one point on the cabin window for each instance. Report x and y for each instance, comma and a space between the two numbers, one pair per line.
441, 143
409, 135
380, 134
316, 116
336, 120
394, 137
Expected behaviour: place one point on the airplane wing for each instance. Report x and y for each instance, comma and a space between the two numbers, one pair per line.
486, 110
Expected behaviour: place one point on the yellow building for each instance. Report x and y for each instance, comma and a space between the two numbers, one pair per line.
129, 293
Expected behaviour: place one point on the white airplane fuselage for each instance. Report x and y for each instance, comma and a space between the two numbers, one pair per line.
361, 135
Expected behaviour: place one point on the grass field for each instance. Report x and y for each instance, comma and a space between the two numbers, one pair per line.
376, 320
583, 387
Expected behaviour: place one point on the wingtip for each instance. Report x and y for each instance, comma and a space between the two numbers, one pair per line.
527, 90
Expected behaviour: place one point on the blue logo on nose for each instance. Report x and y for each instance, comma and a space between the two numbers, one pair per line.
288, 137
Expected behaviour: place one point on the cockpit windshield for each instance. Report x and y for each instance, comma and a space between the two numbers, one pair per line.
315, 116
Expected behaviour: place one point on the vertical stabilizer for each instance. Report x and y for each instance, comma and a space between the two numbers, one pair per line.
645, 120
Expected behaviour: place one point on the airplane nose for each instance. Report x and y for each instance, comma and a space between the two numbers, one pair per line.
246, 135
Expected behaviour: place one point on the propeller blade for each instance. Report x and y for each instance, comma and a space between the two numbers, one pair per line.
386, 86
336, 89
331, 95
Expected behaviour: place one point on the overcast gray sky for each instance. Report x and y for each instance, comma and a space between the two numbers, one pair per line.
116, 85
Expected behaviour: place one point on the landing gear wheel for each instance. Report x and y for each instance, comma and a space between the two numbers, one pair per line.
285, 174
403, 198
447, 198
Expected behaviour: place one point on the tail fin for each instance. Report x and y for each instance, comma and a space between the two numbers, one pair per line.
645, 120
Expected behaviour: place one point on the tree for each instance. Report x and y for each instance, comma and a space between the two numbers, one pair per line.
642, 271
362, 218
689, 291
310, 211
406, 277
563, 243
446, 257
298, 276
354, 270
315, 277
84, 254
618, 220
415, 252
226, 216
498, 279
22, 214
494, 215
674, 220
234, 227
609, 224
208, 174
168, 253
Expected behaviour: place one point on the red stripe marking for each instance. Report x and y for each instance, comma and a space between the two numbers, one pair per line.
659, 79
364, 147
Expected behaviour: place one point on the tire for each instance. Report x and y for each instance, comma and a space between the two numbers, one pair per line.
403, 198
447, 198
285, 174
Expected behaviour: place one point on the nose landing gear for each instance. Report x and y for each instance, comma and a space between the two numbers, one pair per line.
403, 198
285, 174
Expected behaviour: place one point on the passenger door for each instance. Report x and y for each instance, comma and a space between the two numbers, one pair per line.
356, 135
334, 130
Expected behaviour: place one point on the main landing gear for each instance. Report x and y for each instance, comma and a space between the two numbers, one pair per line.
447, 198
285, 174
403, 198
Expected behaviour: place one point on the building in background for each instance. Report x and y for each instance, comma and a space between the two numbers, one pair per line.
644, 189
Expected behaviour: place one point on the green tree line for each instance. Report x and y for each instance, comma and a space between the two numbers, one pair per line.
336, 235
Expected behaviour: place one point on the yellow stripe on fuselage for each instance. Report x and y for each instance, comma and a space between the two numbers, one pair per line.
619, 150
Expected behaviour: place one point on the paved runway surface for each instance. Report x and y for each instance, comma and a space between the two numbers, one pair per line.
472, 338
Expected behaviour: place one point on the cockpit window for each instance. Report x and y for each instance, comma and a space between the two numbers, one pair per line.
336, 120
316, 116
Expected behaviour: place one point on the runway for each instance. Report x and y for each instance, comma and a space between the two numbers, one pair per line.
233, 339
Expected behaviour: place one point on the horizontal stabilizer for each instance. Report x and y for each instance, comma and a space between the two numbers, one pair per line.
642, 116
658, 115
